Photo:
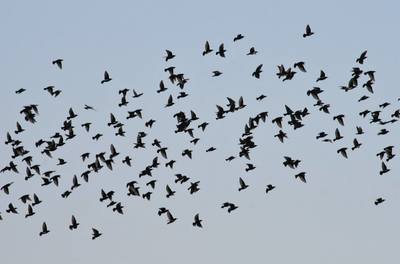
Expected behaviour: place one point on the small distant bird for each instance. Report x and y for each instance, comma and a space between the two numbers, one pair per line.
207, 48
74, 223
359, 130
135, 94
261, 97
243, 185
362, 98
321, 135
249, 167
300, 66
269, 188
45, 230
221, 50
342, 151
230, 206
252, 51
88, 107
257, 72
169, 56
308, 32
379, 201
362, 57
281, 135
170, 192
6, 188
197, 221
356, 144
171, 219
19, 129
322, 76
162, 210
170, 101
339, 118
162, 87
95, 233
11, 209
301, 176
19, 91
106, 78
210, 149
30, 211
337, 135
384, 169
58, 62
238, 37
216, 73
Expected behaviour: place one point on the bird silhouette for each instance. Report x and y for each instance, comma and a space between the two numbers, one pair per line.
74, 224
45, 230
106, 78
308, 32
197, 221
58, 62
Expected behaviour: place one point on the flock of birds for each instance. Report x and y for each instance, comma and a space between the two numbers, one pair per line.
22, 160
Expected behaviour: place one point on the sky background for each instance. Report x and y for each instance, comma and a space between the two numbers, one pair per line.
331, 219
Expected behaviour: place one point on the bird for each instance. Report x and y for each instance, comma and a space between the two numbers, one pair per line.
379, 201
58, 62
30, 211
249, 167
36, 200
339, 118
261, 97
74, 224
308, 32
162, 210
356, 144
169, 56
338, 136
20, 91
231, 207
257, 72
300, 66
238, 37
45, 230
281, 136
197, 221
221, 50
384, 169
162, 87
170, 101
269, 188
342, 151
95, 233
135, 94
19, 129
362, 57
243, 185
170, 192
322, 76
6, 188
207, 48
171, 219
301, 176
216, 73
106, 78
252, 51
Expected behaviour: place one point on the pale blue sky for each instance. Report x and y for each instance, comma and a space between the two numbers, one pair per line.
331, 219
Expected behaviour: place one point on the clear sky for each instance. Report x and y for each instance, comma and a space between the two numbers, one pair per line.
331, 219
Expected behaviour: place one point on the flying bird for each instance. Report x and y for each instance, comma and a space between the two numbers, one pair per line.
308, 32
